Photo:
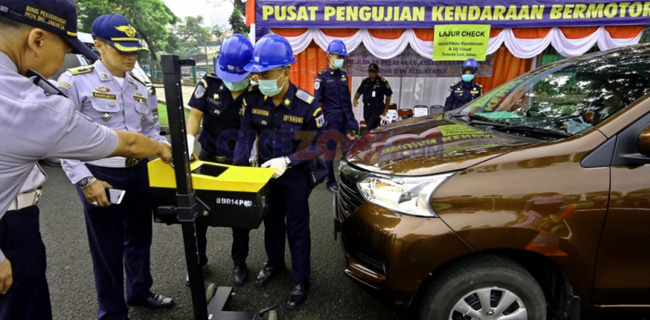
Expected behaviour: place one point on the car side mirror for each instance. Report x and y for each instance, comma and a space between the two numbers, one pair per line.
643, 142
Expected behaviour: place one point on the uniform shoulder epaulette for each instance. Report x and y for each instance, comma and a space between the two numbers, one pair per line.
136, 78
211, 75
366, 78
81, 70
478, 85
304, 96
382, 79
323, 72
253, 88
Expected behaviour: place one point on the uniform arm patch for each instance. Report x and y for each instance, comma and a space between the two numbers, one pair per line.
320, 121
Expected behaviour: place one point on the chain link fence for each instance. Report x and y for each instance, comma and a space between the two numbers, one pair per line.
190, 75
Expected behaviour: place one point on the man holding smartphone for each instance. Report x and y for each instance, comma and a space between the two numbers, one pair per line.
119, 235
115, 195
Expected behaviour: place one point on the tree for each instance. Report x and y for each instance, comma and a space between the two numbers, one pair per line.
237, 22
149, 17
237, 4
192, 32
217, 31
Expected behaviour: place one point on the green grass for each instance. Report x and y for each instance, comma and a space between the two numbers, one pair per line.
162, 114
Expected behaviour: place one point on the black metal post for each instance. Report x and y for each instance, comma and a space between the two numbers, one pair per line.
187, 206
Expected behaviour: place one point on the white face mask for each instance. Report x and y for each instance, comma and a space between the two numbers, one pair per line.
236, 86
338, 63
270, 87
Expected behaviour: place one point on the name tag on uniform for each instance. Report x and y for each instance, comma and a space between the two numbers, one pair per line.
373, 94
140, 99
260, 112
474, 92
293, 119
104, 95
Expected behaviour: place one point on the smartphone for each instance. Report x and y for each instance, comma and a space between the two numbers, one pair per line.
115, 196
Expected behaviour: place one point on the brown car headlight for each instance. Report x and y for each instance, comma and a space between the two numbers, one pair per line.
408, 195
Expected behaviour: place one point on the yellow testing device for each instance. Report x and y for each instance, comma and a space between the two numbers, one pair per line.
237, 196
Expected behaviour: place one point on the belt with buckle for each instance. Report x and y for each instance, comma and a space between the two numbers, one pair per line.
215, 158
26, 199
115, 162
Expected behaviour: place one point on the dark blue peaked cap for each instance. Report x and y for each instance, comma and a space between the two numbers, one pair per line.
56, 16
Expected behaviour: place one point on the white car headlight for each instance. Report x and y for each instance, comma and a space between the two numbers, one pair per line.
407, 195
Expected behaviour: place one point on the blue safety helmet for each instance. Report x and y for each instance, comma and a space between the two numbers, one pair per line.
338, 47
236, 52
271, 51
470, 64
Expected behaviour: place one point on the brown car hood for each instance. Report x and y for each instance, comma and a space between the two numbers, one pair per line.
428, 145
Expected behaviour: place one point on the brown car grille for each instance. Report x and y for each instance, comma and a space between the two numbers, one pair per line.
349, 198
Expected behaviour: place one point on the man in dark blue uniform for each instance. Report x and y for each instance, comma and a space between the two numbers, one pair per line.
332, 91
217, 100
465, 90
287, 122
373, 88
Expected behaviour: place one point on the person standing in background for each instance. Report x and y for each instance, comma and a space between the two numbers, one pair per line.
120, 234
373, 88
465, 90
332, 92
217, 100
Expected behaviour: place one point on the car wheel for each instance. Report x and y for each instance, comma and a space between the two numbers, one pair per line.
489, 287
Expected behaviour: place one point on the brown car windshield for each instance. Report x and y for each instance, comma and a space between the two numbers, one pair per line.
566, 97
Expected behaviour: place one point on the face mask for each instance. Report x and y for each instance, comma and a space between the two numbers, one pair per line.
338, 63
467, 77
270, 87
236, 86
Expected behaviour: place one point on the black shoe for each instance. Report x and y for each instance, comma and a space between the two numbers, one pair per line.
297, 296
267, 273
241, 274
333, 188
156, 301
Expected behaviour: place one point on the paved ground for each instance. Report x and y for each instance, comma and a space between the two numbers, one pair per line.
332, 295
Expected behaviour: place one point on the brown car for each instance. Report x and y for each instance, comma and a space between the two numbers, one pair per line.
530, 202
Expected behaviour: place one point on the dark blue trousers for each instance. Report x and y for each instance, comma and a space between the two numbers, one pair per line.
372, 114
120, 240
288, 200
336, 140
240, 237
239, 250
20, 240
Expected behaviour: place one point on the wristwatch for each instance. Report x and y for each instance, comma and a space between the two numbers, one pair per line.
86, 182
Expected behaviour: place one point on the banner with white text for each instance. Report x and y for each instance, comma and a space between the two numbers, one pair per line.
426, 14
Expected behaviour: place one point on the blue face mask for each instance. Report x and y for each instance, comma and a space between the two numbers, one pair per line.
338, 63
236, 86
467, 77
270, 88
